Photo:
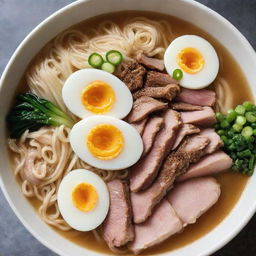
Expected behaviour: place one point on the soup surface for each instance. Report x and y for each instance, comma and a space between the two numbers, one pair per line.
232, 184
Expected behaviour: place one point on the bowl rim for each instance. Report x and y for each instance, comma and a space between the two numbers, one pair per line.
44, 23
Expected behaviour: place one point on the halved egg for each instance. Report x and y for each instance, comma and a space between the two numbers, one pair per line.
197, 59
83, 199
106, 142
92, 92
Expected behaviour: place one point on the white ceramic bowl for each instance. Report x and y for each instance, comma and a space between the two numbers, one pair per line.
189, 10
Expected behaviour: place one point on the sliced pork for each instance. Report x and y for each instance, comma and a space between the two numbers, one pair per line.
155, 79
215, 140
133, 75
167, 92
144, 172
162, 224
152, 128
208, 165
182, 106
143, 107
151, 63
205, 117
176, 164
140, 125
194, 197
117, 227
186, 129
197, 97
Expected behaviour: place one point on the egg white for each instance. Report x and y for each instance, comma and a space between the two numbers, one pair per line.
211, 61
130, 154
76, 82
79, 220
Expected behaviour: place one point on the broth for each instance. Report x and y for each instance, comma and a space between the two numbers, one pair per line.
232, 184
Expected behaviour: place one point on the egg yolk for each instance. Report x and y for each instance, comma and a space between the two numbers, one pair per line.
105, 141
85, 197
190, 60
98, 97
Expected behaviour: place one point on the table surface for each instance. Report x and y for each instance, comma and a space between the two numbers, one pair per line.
17, 19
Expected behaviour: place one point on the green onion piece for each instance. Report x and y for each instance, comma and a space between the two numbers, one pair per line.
219, 116
231, 116
253, 125
221, 132
231, 133
177, 74
95, 60
114, 57
248, 105
254, 132
250, 117
244, 153
247, 131
240, 110
224, 139
108, 67
241, 120
224, 124
252, 162
237, 127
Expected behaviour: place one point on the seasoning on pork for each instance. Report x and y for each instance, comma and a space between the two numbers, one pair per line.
215, 140
144, 172
201, 97
167, 92
208, 165
133, 75
155, 79
186, 129
176, 164
117, 227
205, 117
162, 224
151, 63
143, 107
152, 128
140, 125
182, 106
194, 197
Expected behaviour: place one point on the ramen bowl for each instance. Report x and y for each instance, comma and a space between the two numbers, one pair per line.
190, 11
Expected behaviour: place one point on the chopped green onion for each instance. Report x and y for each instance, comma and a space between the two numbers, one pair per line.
231, 116
254, 132
247, 131
114, 57
177, 74
237, 127
245, 153
219, 116
224, 139
224, 124
248, 105
253, 125
240, 109
250, 117
95, 60
221, 132
241, 120
108, 67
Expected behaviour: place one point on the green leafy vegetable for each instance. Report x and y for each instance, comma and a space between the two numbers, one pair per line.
32, 112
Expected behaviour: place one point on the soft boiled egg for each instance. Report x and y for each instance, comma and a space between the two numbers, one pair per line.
83, 199
196, 58
106, 142
92, 92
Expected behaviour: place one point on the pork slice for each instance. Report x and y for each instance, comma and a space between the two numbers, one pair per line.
194, 197
205, 117
166, 92
151, 63
215, 140
145, 171
152, 128
176, 163
186, 129
208, 165
162, 224
197, 97
155, 79
143, 107
140, 125
184, 106
117, 227
133, 75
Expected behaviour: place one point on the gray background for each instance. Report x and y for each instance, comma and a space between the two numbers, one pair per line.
17, 19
